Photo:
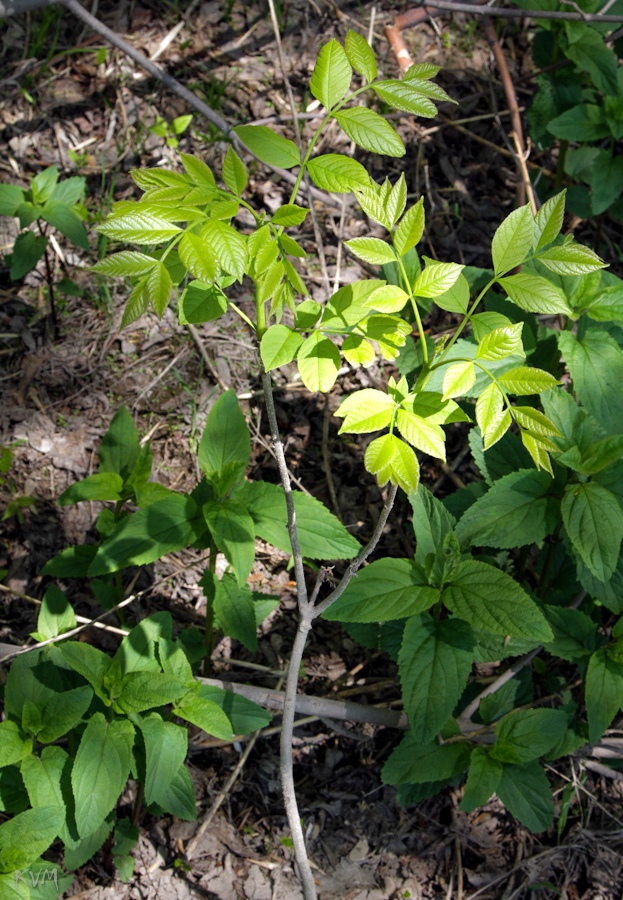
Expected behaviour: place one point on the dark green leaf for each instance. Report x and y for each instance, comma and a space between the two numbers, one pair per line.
201, 302
164, 527
67, 222
100, 770
11, 197
120, 446
321, 534
234, 534
490, 599
528, 734
585, 122
26, 836
235, 611
166, 746
594, 522
205, 714
415, 763
431, 524
244, 715
269, 147
596, 366
525, 792
519, 509
55, 615
434, 663
14, 743
102, 486
27, 251
225, 439
386, 589
482, 779
573, 633
603, 693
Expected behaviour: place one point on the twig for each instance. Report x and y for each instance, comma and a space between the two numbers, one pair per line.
465, 719
504, 13
206, 357
604, 771
74, 6
356, 564
220, 797
305, 622
511, 99
521, 159
326, 459
89, 622
343, 710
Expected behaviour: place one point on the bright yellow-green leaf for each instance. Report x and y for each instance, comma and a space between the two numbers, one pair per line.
458, 379
360, 55
390, 459
268, 146
319, 362
370, 131
198, 257
491, 416
371, 250
387, 299
525, 380
331, 76
364, 411
358, 351
158, 288
501, 342
279, 345
537, 451
426, 436
410, 228
436, 278
512, 240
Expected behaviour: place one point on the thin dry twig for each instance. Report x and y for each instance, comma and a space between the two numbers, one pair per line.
205, 824
510, 13
465, 719
90, 622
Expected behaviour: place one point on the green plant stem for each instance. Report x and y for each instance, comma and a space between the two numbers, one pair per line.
468, 315
242, 315
138, 803
308, 152
416, 311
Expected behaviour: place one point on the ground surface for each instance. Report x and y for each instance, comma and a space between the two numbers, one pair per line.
59, 396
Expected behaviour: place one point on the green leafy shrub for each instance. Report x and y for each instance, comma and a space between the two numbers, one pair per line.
46, 202
581, 105
525, 561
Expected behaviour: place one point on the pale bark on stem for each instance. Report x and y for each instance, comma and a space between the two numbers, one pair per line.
305, 622
286, 763
359, 560
284, 475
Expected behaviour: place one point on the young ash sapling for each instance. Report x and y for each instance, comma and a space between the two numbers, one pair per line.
525, 561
